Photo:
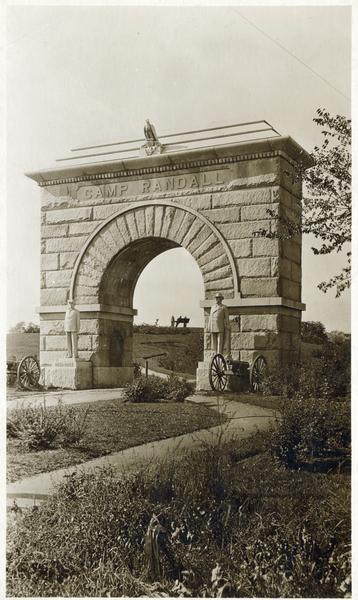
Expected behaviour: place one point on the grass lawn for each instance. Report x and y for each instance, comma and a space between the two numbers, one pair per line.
112, 426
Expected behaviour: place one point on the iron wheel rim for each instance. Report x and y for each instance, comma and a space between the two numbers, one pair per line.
28, 373
217, 377
258, 373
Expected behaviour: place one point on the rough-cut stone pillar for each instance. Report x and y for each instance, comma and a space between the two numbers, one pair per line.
102, 224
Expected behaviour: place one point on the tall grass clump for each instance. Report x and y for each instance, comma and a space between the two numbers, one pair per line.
250, 529
42, 427
313, 431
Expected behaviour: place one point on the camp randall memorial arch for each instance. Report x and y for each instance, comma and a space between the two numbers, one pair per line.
106, 213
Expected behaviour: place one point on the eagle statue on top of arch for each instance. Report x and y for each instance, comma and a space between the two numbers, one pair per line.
152, 145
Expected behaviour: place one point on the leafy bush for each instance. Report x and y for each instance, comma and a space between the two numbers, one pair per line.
313, 332
44, 427
154, 388
310, 429
144, 389
262, 532
178, 389
325, 375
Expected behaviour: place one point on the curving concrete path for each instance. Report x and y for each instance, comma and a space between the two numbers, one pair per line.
243, 420
66, 396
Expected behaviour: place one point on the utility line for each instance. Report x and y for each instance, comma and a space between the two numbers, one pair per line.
291, 54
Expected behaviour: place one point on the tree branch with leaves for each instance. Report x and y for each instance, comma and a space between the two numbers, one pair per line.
327, 200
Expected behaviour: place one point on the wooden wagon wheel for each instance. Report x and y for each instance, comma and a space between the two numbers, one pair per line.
28, 373
258, 373
217, 373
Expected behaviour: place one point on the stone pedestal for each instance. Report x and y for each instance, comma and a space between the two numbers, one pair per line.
112, 376
202, 376
69, 373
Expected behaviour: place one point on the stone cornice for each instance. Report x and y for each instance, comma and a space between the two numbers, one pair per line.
212, 157
256, 302
88, 308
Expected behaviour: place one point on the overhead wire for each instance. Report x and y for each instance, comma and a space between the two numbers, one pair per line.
290, 53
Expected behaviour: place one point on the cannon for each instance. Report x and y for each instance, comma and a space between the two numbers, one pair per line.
221, 369
26, 372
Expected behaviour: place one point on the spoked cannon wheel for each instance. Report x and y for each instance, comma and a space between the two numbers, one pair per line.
28, 373
217, 373
258, 373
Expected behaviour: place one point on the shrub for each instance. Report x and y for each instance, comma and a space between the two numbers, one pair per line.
311, 428
178, 389
154, 388
325, 375
44, 427
144, 389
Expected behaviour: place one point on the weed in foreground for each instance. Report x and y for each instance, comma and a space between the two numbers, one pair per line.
264, 531
42, 427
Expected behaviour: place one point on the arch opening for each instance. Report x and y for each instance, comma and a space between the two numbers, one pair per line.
170, 285
113, 349
113, 259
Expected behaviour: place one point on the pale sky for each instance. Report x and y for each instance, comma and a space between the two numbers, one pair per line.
80, 76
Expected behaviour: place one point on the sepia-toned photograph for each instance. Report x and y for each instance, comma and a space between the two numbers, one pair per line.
177, 331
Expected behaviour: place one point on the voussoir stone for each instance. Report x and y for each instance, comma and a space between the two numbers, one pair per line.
218, 273
214, 264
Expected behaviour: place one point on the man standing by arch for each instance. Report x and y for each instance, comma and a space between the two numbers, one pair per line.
219, 326
72, 327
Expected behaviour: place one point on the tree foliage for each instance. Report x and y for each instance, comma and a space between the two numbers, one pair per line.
327, 205
327, 202
22, 327
313, 332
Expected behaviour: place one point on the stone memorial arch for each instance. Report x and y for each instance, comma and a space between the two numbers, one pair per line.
101, 224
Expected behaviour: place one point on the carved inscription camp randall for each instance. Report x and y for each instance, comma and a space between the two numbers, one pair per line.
148, 186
